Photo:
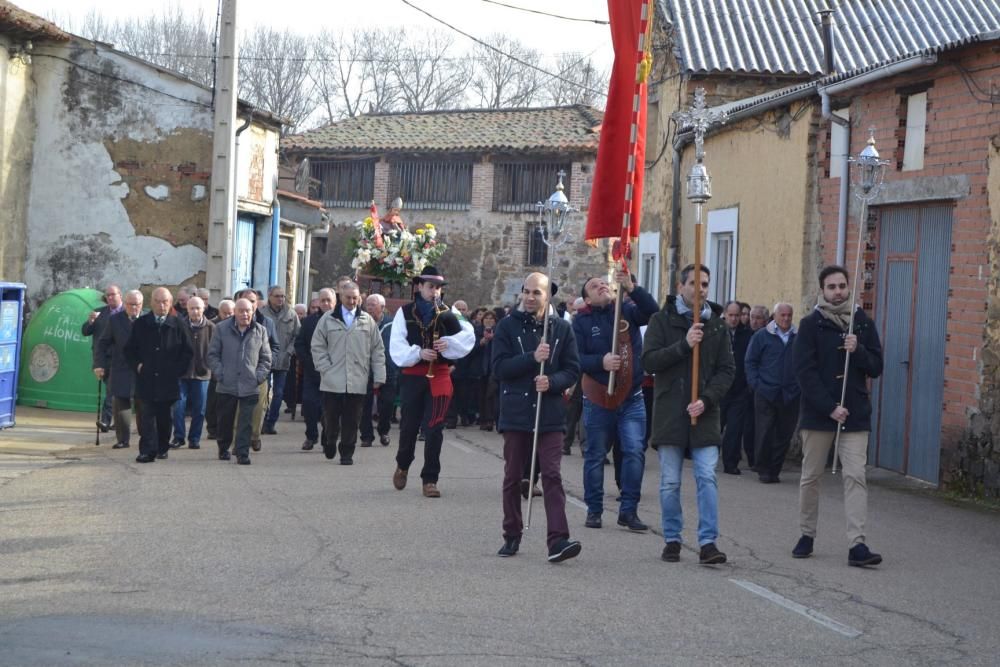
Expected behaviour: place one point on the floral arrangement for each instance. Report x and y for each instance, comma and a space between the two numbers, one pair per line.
396, 255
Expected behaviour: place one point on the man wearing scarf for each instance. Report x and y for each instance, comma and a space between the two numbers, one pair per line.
426, 340
668, 354
818, 355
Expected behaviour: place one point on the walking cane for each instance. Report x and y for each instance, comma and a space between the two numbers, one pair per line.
555, 212
869, 171
100, 402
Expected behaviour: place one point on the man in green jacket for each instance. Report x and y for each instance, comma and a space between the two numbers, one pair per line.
667, 355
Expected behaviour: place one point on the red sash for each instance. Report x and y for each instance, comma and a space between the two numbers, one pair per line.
441, 389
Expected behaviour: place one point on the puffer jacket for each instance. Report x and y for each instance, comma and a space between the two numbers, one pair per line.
286, 326
667, 356
344, 356
514, 366
239, 362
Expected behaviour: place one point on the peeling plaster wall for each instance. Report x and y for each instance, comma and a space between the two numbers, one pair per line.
101, 142
17, 135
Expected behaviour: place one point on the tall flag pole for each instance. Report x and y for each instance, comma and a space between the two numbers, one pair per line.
622, 148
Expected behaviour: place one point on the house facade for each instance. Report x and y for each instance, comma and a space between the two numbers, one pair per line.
476, 175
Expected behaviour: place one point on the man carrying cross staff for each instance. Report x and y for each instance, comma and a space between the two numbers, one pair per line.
530, 339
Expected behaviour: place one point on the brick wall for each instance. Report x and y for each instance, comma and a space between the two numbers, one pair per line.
958, 140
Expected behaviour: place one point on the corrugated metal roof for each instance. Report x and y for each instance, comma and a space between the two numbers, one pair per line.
570, 128
783, 36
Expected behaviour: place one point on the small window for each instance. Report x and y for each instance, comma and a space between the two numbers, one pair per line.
647, 270
538, 252
345, 183
432, 185
519, 186
916, 127
721, 268
837, 135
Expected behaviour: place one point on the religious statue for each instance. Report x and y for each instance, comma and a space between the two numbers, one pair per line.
393, 221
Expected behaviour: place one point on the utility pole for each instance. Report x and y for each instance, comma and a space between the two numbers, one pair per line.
222, 205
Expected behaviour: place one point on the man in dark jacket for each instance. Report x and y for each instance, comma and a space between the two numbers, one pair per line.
738, 401
159, 351
668, 355
375, 306
823, 339
518, 349
771, 374
312, 400
466, 375
593, 327
112, 366
95, 325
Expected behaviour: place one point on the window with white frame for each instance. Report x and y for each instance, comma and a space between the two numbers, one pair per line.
838, 134
723, 242
916, 127
649, 262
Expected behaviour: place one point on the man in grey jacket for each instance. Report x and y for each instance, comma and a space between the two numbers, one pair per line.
346, 347
286, 327
239, 357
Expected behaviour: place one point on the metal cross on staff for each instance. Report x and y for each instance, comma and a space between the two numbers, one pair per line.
555, 213
699, 190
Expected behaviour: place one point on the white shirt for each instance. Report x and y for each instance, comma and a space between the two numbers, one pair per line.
405, 355
348, 316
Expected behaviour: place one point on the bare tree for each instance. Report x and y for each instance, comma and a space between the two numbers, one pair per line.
579, 82
274, 74
503, 81
379, 53
428, 75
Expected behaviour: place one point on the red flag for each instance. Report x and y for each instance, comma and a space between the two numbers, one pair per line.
620, 156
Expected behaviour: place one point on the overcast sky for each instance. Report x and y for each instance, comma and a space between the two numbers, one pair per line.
477, 17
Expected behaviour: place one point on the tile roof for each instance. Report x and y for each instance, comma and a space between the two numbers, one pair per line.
782, 37
13, 19
569, 128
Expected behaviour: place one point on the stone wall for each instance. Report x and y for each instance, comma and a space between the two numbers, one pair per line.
17, 136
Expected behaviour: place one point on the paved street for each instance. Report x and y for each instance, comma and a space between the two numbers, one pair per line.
299, 560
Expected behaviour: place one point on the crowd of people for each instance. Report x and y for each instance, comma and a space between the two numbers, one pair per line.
540, 374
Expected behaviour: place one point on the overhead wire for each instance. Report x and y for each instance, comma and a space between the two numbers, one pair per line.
556, 16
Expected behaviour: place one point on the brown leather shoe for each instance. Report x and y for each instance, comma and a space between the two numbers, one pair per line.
431, 490
399, 479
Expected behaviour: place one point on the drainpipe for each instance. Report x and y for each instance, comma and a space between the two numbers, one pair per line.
307, 262
860, 80
236, 190
272, 272
675, 220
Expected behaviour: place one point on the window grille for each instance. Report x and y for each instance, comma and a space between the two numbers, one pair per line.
519, 186
432, 185
345, 183
538, 252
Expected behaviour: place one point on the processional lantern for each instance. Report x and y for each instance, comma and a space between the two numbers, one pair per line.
554, 213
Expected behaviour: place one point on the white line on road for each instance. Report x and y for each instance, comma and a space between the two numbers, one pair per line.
573, 501
811, 614
460, 446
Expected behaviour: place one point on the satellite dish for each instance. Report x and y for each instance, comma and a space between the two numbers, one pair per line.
302, 177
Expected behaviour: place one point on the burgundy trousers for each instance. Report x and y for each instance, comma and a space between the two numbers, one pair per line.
516, 453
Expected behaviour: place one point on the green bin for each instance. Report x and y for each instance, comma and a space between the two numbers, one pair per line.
57, 359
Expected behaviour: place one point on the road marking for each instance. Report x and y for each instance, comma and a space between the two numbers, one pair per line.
790, 605
460, 446
573, 501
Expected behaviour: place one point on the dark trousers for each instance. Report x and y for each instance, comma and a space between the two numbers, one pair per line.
107, 409
736, 412
750, 434
293, 385
516, 451
312, 408
226, 408
122, 408
156, 421
487, 401
341, 414
211, 415
367, 412
416, 403
464, 402
386, 406
574, 411
775, 424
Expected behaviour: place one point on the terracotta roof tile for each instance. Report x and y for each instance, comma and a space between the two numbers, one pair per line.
13, 19
546, 129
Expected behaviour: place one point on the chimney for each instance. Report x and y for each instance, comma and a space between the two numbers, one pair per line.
826, 28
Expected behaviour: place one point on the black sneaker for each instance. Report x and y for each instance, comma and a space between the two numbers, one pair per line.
593, 520
384, 440
308, 445
120, 445
510, 547
268, 430
803, 548
210, 435
104, 428
161, 455
193, 444
366, 443
631, 521
177, 442
346, 461
710, 555
671, 552
329, 452
243, 460
861, 556
564, 550
224, 454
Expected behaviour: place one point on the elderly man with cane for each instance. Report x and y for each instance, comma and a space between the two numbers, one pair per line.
535, 360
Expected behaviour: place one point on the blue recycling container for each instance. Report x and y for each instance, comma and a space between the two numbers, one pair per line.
11, 315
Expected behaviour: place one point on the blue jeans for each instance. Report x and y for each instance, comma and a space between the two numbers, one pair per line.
312, 408
194, 394
629, 421
704, 460
277, 395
